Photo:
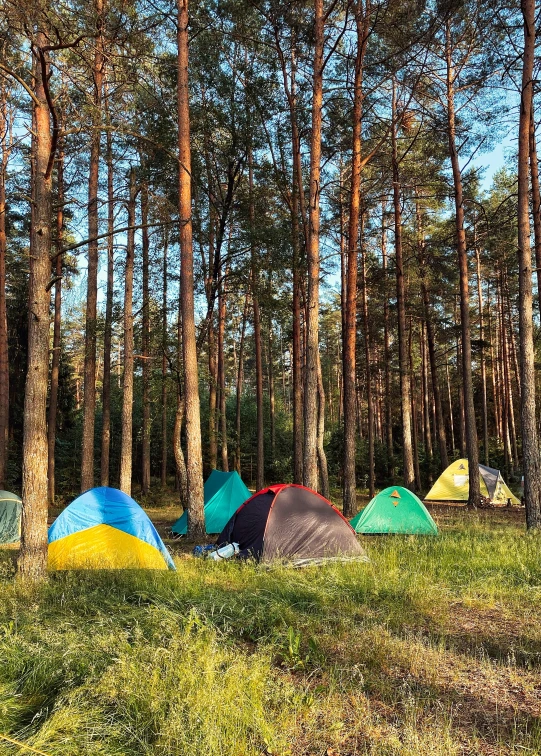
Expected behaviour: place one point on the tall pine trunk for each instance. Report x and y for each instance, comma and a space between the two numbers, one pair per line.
474, 497
108, 330
482, 358
194, 458
55, 361
405, 390
145, 460
240, 380
530, 443
89, 404
126, 447
310, 472
32, 562
221, 374
260, 458
387, 349
163, 476
5, 142
350, 316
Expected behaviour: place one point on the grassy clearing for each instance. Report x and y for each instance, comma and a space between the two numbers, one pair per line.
434, 648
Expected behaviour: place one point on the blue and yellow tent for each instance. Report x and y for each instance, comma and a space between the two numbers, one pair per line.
224, 493
104, 529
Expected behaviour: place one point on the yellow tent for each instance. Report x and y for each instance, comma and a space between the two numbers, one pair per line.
453, 485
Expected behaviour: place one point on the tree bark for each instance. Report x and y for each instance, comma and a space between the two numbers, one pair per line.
321, 456
145, 456
108, 331
482, 355
260, 458
350, 330
536, 196
530, 444
32, 561
163, 476
407, 450
240, 380
89, 403
474, 497
55, 362
221, 375
310, 471
126, 448
5, 141
387, 348
194, 459
368, 373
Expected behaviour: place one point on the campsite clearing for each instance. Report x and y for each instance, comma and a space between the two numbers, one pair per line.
433, 648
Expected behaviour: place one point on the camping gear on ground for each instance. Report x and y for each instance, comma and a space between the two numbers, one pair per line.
202, 550
105, 529
291, 523
225, 552
10, 517
224, 492
395, 510
453, 485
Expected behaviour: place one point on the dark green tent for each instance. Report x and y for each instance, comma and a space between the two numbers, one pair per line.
10, 517
224, 493
395, 510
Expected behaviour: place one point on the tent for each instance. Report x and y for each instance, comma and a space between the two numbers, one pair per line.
453, 484
105, 529
395, 510
224, 493
10, 517
291, 523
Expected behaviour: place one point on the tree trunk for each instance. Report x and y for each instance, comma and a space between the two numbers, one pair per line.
32, 562
89, 403
240, 379
474, 497
536, 197
414, 423
213, 368
321, 456
310, 472
55, 362
272, 403
180, 462
450, 399
108, 331
407, 450
163, 477
221, 375
145, 456
350, 331
126, 448
260, 461
482, 355
387, 349
5, 141
368, 373
194, 462
530, 443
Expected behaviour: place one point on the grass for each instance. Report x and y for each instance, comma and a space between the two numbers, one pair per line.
434, 648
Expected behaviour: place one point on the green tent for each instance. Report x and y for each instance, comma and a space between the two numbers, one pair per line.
10, 517
395, 510
224, 493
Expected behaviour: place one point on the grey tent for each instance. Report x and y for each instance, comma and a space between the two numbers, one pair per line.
10, 517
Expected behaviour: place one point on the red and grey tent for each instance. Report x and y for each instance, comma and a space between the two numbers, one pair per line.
294, 524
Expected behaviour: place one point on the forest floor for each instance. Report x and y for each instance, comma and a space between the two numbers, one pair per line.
433, 648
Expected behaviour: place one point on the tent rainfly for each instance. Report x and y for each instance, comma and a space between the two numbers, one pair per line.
293, 524
105, 529
395, 510
224, 492
453, 484
10, 517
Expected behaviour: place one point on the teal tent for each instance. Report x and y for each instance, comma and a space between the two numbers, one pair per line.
224, 493
395, 510
10, 517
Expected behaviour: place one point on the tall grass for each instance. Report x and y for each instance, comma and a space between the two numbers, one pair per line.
418, 652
